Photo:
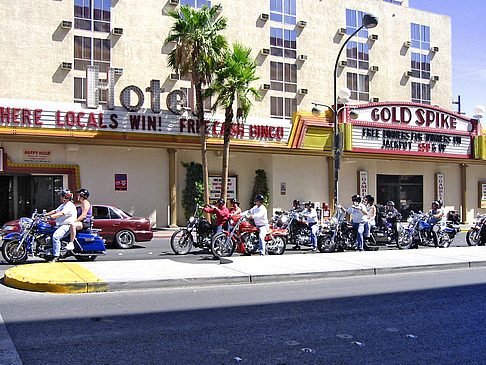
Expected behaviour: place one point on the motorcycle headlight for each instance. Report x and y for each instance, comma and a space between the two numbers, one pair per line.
284, 219
25, 222
409, 219
191, 219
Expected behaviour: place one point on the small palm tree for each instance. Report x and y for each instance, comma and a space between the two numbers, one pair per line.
199, 48
232, 83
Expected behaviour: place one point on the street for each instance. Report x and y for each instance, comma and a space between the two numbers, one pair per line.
418, 318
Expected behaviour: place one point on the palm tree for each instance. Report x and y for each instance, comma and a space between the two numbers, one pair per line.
232, 84
199, 48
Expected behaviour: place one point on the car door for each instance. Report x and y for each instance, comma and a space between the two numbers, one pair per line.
106, 220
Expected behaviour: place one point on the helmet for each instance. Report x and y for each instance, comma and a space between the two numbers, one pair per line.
83, 193
220, 201
66, 193
296, 201
370, 199
309, 204
259, 198
436, 203
234, 201
390, 203
356, 198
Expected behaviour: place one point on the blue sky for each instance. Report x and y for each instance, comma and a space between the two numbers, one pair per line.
468, 48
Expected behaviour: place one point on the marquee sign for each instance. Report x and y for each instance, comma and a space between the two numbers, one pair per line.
411, 129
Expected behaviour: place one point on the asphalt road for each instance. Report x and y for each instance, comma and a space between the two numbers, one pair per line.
417, 318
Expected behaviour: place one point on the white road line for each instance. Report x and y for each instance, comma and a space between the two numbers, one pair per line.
8, 352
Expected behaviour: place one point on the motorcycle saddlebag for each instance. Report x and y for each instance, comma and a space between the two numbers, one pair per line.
90, 242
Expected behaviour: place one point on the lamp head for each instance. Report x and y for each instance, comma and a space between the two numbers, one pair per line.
369, 20
478, 111
316, 111
353, 114
344, 95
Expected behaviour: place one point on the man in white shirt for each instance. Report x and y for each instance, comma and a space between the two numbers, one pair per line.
358, 211
310, 215
259, 214
65, 214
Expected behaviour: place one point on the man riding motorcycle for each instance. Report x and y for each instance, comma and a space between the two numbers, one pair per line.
310, 215
64, 214
259, 214
221, 212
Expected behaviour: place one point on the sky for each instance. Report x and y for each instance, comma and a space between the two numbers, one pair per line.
468, 48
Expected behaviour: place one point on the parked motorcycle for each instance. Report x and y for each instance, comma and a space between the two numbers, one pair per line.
340, 236
449, 230
478, 230
299, 232
417, 232
243, 237
182, 240
35, 239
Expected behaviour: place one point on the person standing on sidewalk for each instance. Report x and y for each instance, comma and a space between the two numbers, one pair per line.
310, 215
65, 214
358, 211
259, 214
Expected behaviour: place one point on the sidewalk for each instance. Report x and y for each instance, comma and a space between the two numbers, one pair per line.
70, 277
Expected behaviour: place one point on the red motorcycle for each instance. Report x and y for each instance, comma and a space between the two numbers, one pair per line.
243, 236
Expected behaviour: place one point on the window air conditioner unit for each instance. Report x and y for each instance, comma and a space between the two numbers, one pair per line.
174, 2
302, 23
66, 66
435, 78
434, 49
265, 51
407, 44
408, 74
264, 16
343, 63
342, 31
302, 57
117, 31
174, 76
118, 71
374, 68
266, 86
66, 24
303, 91
374, 99
373, 37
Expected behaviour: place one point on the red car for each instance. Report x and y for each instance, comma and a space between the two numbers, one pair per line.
117, 226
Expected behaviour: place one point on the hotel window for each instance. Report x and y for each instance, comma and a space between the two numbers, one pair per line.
283, 76
283, 43
196, 3
359, 86
283, 11
281, 107
190, 103
394, 2
420, 35
358, 55
80, 90
354, 20
421, 66
91, 51
420, 93
92, 15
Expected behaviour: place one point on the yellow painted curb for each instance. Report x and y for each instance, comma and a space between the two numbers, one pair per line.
59, 277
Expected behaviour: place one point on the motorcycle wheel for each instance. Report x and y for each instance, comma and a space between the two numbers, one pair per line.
9, 254
324, 244
221, 248
181, 241
279, 243
472, 237
405, 239
85, 258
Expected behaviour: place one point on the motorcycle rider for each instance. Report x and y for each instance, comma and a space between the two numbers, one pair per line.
235, 207
393, 216
259, 214
85, 215
358, 211
369, 202
221, 211
436, 215
310, 215
295, 206
64, 214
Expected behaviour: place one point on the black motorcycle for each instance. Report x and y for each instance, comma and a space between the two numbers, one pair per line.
340, 235
197, 227
476, 236
299, 230
385, 233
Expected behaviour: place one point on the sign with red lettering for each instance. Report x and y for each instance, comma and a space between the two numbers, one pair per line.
363, 183
215, 187
36, 156
440, 185
120, 181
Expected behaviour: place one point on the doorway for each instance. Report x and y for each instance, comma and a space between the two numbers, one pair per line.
406, 191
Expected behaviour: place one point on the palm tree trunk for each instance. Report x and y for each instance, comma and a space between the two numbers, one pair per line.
226, 151
202, 130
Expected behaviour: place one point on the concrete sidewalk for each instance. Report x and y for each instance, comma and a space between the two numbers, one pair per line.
69, 277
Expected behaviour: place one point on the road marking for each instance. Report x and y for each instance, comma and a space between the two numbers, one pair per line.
8, 352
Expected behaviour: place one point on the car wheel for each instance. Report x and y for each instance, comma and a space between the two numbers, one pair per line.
124, 239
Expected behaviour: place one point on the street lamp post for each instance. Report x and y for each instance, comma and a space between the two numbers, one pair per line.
368, 21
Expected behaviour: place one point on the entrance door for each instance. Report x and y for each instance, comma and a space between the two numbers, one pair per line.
6, 210
406, 191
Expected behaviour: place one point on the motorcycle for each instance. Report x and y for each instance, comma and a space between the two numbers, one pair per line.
448, 231
35, 239
477, 231
182, 240
383, 233
417, 232
299, 233
243, 237
340, 235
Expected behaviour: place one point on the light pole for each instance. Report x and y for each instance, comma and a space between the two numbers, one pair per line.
368, 21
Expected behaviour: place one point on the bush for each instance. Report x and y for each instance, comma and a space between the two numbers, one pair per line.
193, 193
260, 186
